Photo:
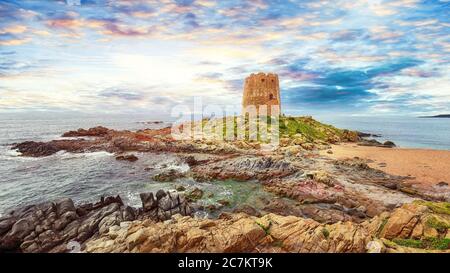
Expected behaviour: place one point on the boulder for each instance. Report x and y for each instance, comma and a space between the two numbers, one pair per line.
130, 158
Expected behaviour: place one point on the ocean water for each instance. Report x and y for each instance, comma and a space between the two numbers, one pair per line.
406, 132
86, 177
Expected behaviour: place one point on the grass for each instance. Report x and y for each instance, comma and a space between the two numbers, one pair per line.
427, 243
309, 129
437, 207
408, 242
325, 233
265, 228
437, 223
381, 228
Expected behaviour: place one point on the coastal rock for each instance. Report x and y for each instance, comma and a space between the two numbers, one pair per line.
168, 175
249, 210
164, 204
376, 143
51, 226
109, 226
244, 168
350, 136
269, 233
321, 177
389, 144
130, 158
36, 149
442, 184
98, 131
235, 233
194, 194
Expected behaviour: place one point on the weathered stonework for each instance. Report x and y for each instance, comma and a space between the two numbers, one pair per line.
261, 90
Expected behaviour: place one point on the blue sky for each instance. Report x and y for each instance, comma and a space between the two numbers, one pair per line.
361, 57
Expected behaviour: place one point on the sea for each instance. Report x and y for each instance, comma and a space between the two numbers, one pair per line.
88, 176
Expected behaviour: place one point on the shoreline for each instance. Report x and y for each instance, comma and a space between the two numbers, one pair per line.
424, 167
302, 188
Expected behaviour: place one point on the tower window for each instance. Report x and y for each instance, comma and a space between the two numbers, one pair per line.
262, 80
271, 97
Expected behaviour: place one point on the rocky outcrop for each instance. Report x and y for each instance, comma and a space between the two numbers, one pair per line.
98, 131
163, 205
376, 143
274, 233
233, 233
130, 158
244, 168
51, 226
163, 224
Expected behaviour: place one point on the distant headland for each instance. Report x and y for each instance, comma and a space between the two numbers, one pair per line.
437, 116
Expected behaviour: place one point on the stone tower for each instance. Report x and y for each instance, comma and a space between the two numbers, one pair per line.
261, 89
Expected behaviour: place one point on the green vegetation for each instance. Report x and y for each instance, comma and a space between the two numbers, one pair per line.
266, 228
437, 207
427, 243
437, 223
308, 128
383, 224
408, 242
325, 233
305, 127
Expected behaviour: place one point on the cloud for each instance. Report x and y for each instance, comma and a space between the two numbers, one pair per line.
327, 53
345, 87
12, 40
121, 94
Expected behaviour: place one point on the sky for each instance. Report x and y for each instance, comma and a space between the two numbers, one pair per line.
360, 57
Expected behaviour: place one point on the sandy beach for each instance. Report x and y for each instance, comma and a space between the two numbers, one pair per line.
425, 167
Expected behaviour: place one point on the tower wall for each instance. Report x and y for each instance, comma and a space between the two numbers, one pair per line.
261, 89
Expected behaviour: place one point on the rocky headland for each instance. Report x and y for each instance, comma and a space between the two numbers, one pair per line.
320, 203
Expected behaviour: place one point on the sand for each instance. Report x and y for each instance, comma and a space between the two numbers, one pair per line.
425, 167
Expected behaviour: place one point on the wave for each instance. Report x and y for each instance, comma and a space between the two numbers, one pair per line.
14, 155
69, 155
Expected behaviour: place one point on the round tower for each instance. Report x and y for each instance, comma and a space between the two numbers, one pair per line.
261, 89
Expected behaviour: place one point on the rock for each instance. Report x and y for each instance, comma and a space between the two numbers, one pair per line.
195, 194
102, 227
350, 136
36, 149
249, 210
191, 161
49, 226
211, 208
130, 158
321, 177
223, 202
389, 144
98, 131
244, 168
164, 205
442, 184
330, 152
375, 247
180, 188
160, 194
403, 221
308, 146
169, 175
236, 233
148, 201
